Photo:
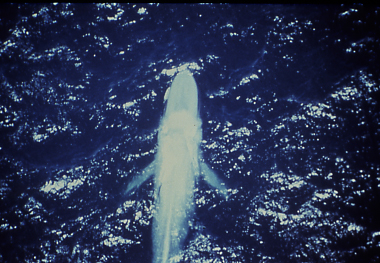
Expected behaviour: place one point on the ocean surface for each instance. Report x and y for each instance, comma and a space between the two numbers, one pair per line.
289, 99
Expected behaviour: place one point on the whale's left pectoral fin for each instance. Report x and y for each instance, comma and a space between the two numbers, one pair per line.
213, 180
141, 178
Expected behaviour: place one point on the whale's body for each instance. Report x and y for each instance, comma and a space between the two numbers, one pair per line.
176, 168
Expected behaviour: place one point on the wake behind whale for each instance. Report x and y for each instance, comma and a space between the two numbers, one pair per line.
176, 168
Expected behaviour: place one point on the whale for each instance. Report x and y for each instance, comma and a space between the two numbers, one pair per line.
177, 166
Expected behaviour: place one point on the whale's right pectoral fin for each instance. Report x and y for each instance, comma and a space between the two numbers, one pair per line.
213, 180
141, 178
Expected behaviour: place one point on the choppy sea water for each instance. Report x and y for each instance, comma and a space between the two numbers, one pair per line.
289, 100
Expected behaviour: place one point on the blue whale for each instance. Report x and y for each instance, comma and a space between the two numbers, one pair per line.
177, 165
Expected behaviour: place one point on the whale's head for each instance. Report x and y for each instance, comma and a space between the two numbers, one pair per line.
183, 95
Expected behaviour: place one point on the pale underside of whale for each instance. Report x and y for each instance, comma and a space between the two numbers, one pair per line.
176, 168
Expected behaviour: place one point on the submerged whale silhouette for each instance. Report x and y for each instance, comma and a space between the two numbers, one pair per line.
176, 167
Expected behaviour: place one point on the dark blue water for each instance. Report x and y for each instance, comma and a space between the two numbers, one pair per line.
290, 108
